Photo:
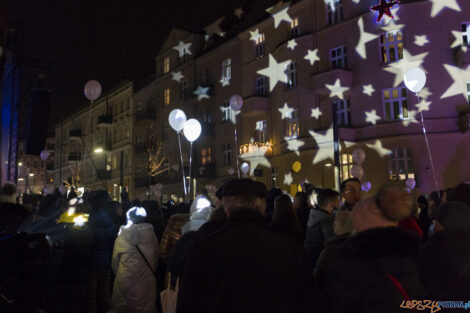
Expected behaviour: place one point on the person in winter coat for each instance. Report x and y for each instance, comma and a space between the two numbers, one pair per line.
376, 269
155, 217
350, 190
171, 235
460, 193
284, 220
198, 214
302, 209
272, 194
135, 258
320, 224
445, 265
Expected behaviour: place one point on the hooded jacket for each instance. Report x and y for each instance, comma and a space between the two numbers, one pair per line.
135, 286
319, 231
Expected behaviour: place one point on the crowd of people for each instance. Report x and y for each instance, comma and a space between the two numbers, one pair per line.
242, 249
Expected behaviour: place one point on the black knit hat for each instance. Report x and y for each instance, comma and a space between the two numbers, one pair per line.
245, 187
453, 215
460, 193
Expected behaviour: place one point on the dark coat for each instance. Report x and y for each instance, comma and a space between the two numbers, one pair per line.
319, 232
104, 234
244, 267
446, 257
303, 213
358, 281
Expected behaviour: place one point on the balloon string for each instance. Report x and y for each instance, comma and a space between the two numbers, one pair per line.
190, 163
236, 145
182, 165
429, 151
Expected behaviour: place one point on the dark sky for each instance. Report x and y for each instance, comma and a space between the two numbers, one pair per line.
107, 40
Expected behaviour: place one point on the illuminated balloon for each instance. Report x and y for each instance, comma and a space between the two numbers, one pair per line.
366, 186
177, 118
358, 156
44, 155
357, 171
410, 183
231, 171
92, 90
192, 130
236, 102
175, 167
415, 79
245, 167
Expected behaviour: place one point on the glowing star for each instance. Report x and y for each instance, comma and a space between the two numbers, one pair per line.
254, 35
424, 93
456, 88
378, 147
364, 38
392, 27
368, 90
291, 44
372, 117
411, 118
256, 158
288, 179
439, 5
337, 90
312, 56
421, 40
458, 42
325, 144
233, 114
275, 71
399, 68
238, 12
384, 8
316, 113
285, 111
177, 76
183, 48
423, 105
225, 82
201, 93
279, 13
214, 28
294, 144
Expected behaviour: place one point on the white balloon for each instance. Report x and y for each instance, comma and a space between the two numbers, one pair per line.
410, 183
92, 90
245, 167
44, 155
358, 156
415, 79
231, 171
192, 130
236, 102
357, 171
177, 118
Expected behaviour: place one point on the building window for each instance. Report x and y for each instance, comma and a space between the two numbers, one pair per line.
206, 156
291, 73
226, 74
343, 112
391, 46
166, 65
338, 58
346, 162
466, 33
226, 154
262, 86
401, 164
292, 126
335, 11
294, 27
261, 131
184, 89
395, 103
260, 45
165, 131
226, 112
166, 97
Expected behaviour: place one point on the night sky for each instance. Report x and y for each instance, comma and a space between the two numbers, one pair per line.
107, 40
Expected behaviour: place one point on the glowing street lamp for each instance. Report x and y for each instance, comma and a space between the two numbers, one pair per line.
98, 150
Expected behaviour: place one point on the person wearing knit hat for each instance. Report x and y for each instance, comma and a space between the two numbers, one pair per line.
445, 265
460, 193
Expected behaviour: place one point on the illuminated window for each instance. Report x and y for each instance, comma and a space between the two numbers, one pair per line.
291, 73
401, 164
165, 131
338, 58
346, 163
395, 103
262, 86
166, 65
294, 27
226, 70
206, 156
391, 46
466, 33
260, 46
226, 112
335, 11
184, 89
343, 112
227, 154
166, 97
292, 126
261, 131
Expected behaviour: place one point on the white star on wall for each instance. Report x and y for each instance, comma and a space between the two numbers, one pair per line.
254, 35
312, 56
288, 179
285, 111
409, 61
457, 88
378, 147
183, 48
423, 105
316, 113
439, 5
214, 28
279, 13
233, 115
177, 76
424, 93
458, 42
411, 118
325, 145
225, 82
238, 12
368, 90
337, 90
291, 44
294, 145
364, 38
372, 117
256, 158
421, 40
275, 71
201, 93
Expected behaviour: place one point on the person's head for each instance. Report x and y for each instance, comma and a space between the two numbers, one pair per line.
453, 215
422, 202
99, 200
300, 200
282, 207
200, 208
460, 193
343, 223
272, 194
328, 200
8, 193
244, 194
350, 190
136, 215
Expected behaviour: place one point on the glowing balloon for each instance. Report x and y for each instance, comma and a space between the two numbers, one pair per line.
44, 155
415, 79
366, 186
92, 90
358, 156
231, 171
245, 167
175, 167
410, 183
192, 130
236, 102
357, 171
177, 118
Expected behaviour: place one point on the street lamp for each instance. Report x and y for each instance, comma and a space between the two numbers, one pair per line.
98, 150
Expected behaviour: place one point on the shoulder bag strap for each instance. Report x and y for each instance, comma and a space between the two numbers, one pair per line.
145, 259
400, 288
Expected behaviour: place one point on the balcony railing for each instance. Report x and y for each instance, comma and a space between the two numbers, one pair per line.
105, 121
256, 148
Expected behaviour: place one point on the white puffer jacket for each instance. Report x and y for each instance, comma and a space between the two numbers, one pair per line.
134, 289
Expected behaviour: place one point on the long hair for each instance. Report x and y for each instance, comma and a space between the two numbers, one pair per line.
284, 218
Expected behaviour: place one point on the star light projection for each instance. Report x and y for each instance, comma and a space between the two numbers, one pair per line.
214, 28
378, 147
256, 158
233, 114
183, 48
294, 144
254, 35
177, 76
423, 105
279, 13
337, 90
457, 87
411, 118
286, 111
384, 7
288, 179
364, 38
312, 56
372, 117
368, 90
458, 42
291, 44
409, 61
238, 12
225, 81
316, 113
202, 93
275, 71
421, 40
325, 144
439, 5
425, 93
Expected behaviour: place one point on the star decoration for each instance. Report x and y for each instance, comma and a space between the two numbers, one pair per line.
294, 145
233, 114
392, 27
423, 105
421, 40
409, 61
325, 144
201, 93
279, 13
439, 5
238, 12
378, 147
259, 127
424, 93
372, 117
312, 56
225, 82
291, 44
458, 42
316, 113
384, 8
177, 76
254, 35
411, 118
285, 111
183, 48
337, 90
456, 88
364, 38
256, 158
275, 71
288, 179
214, 28
368, 90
